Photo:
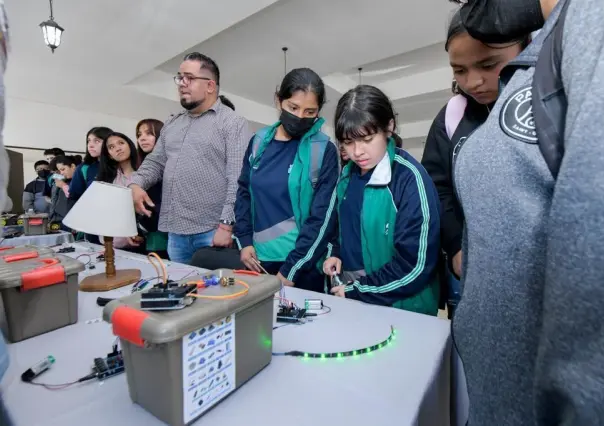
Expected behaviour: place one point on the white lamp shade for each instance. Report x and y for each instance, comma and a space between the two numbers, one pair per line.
104, 209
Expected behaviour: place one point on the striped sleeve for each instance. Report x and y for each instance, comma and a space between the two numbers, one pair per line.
416, 241
316, 232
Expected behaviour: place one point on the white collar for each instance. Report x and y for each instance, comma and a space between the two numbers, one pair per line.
383, 172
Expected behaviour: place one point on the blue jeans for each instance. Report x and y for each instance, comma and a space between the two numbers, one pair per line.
181, 248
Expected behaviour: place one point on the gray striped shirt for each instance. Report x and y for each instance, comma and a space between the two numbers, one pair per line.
199, 159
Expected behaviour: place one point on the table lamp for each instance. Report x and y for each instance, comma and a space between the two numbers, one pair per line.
107, 210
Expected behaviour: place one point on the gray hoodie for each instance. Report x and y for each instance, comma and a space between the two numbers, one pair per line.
529, 327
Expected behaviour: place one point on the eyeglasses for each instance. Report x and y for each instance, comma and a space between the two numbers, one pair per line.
186, 79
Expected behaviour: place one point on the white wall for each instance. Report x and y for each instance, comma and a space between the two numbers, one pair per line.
38, 125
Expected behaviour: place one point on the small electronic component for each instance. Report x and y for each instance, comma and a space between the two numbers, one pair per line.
210, 280
169, 296
313, 304
66, 250
37, 369
336, 280
110, 366
226, 281
290, 314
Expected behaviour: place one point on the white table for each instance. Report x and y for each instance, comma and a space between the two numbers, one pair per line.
406, 383
47, 240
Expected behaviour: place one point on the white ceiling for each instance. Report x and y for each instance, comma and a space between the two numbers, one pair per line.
118, 57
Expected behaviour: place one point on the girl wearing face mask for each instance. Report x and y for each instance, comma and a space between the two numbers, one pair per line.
147, 135
60, 202
87, 171
388, 212
286, 190
119, 161
476, 68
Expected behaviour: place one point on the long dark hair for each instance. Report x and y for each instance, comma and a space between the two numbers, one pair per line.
108, 166
456, 28
155, 126
101, 133
363, 111
304, 80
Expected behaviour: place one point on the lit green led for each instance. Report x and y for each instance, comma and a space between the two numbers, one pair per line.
354, 353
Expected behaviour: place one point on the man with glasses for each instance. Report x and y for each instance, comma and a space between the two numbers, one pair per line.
199, 156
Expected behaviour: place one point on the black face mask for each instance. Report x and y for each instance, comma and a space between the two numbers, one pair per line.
295, 126
43, 174
501, 21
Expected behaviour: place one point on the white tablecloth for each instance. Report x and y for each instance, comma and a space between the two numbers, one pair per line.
406, 383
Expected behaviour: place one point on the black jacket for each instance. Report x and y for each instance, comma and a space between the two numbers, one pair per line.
438, 160
150, 223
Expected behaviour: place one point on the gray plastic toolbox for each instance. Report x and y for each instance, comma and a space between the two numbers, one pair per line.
35, 223
180, 363
39, 290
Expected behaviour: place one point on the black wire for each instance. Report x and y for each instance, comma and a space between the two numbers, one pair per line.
325, 312
60, 386
281, 326
89, 258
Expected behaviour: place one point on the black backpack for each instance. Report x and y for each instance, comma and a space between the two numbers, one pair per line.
549, 99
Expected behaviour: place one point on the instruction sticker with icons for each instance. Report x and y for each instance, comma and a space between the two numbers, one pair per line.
208, 366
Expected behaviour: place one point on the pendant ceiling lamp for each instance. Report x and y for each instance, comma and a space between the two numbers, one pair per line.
51, 31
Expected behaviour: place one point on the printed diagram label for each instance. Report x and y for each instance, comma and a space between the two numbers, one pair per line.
208, 366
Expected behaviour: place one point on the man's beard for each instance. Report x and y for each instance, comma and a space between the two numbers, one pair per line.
190, 105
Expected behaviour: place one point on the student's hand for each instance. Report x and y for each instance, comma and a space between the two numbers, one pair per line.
135, 241
222, 238
285, 281
140, 198
457, 264
60, 183
65, 189
249, 258
330, 264
338, 291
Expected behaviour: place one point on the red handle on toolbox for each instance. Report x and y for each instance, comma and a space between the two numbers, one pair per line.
35, 222
20, 256
43, 277
127, 323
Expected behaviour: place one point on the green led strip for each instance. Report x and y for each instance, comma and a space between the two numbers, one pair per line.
356, 352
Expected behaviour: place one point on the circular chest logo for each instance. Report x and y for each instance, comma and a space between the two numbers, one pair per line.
516, 118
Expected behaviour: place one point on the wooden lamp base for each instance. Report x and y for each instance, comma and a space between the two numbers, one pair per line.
102, 282
111, 279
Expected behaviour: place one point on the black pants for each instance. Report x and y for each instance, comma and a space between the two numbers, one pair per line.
310, 279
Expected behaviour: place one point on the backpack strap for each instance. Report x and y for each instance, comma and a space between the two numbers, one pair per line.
549, 100
318, 144
85, 172
456, 107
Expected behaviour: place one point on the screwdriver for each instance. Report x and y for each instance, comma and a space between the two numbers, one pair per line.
336, 278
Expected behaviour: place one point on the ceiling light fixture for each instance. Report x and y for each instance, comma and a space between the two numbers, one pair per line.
51, 31
284, 60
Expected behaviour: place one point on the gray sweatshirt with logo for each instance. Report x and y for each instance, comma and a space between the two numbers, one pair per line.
530, 328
